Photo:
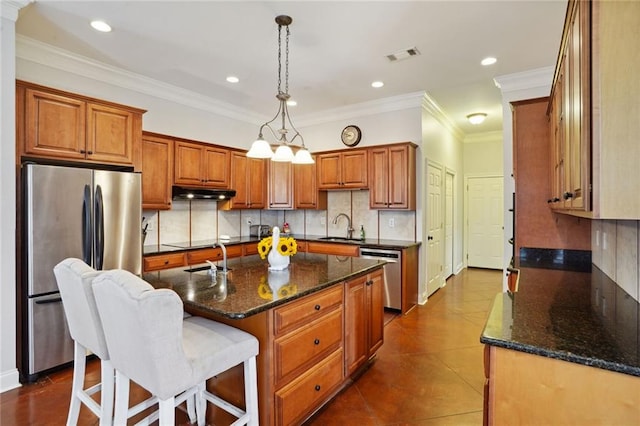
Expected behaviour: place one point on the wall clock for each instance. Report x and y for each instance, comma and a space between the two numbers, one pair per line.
351, 135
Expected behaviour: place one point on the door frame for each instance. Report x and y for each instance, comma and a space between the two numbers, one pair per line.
448, 171
465, 252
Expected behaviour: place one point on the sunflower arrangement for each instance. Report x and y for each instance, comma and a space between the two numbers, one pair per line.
287, 246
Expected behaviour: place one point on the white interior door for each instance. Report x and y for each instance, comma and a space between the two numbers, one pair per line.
448, 225
435, 249
485, 222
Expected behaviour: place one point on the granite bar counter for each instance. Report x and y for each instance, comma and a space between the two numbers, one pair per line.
578, 315
251, 288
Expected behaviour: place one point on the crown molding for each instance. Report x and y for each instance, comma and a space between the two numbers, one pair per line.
9, 8
54, 57
430, 106
378, 106
537, 80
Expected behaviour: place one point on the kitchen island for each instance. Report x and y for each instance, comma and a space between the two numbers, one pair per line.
563, 349
318, 323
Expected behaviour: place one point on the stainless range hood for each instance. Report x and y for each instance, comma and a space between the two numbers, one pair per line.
213, 194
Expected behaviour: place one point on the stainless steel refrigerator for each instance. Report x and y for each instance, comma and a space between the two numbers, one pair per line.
94, 215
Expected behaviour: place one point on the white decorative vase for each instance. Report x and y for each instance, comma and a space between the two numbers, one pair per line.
277, 262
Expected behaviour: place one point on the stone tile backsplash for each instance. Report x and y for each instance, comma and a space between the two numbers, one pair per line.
202, 220
615, 246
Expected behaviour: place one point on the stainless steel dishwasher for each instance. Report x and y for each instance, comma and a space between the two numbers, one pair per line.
392, 274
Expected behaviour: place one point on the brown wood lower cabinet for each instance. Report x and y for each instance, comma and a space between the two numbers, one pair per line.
332, 248
164, 261
536, 390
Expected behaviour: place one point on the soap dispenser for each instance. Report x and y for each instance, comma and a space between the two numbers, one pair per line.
362, 232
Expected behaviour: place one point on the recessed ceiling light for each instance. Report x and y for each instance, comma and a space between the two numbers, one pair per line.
377, 84
101, 26
488, 61
476, 117
291, 102
233, 79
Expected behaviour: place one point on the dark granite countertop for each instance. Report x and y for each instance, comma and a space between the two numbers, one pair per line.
251, 288
575, 316
194, 245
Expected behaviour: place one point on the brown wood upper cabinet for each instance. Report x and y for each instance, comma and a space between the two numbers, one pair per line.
56, 124
280, 185
392, 177
346, 169
157, 169
594, 110
305, 188
248, 179
200, 164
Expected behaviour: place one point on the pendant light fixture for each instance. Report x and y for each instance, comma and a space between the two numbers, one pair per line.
261, 148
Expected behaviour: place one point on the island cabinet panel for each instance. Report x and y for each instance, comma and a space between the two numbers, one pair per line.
164, 261
157, 171
54, 124
201, 165
551, 391
342, 169
392, 177
294, 402
307, 310
364, 319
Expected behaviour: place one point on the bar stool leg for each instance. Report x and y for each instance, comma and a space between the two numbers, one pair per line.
79, 360
107, 388
251, 390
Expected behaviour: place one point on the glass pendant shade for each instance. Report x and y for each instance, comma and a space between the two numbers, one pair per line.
260, 149
303, 156
283, 153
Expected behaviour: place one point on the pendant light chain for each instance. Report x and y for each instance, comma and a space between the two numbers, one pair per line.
286, 66
279, 58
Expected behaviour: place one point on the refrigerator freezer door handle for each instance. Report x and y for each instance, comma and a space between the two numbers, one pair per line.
99, 224
86, 226
44, 302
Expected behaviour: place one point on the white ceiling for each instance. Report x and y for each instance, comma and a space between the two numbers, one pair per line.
337, 48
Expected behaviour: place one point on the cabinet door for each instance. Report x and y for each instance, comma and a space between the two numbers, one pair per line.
280, 185
354, 169
238, 181
400, 171
375, 305
306, 194
355, 329
157, 166
378, 178
257, 172
110, 134
188, 164
55, 125
329, 171
216, 165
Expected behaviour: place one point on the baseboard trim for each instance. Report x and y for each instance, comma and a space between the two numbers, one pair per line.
9, 380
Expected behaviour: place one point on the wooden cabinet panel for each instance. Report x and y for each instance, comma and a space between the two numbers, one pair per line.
305, 185
392, 177
299, 350
250, 249
200, 165
306, 310
300, 397
110, 136
55, 125
248, 179
195, 257
280, 185
342, 170
375, 303
331, 248
164, 261
157, 169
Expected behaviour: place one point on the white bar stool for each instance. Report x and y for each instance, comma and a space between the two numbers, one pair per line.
150, 343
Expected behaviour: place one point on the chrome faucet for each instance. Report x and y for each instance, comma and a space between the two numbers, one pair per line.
224, 256
349, 228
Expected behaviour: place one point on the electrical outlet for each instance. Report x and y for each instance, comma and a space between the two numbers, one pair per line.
392, 222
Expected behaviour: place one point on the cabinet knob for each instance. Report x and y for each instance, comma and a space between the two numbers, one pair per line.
567, 195
166, 262
317, 387
89, 152
317, 307
316, 342
82, 151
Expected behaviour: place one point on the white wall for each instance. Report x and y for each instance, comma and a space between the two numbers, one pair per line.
483, 154
8, 364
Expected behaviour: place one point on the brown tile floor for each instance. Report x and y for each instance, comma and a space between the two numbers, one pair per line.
428, 372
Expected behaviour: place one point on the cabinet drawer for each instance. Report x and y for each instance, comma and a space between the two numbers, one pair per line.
334, 249
306, 310
250, 248
213, 254
300, 397
299, 350
164, 261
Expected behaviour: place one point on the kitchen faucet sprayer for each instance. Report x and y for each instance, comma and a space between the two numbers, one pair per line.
349, 228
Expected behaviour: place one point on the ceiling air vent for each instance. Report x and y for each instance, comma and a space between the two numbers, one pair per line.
403, 54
